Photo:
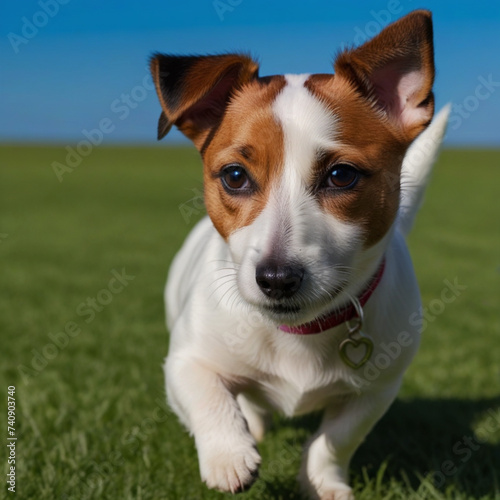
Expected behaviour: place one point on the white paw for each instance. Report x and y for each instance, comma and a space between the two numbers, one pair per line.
325, 486
337, 494
227, 465
330, 492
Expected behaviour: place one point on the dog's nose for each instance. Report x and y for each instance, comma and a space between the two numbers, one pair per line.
278, 281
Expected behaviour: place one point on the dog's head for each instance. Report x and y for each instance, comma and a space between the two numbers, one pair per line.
302, 172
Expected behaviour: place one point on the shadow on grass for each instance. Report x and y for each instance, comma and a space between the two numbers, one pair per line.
456, 442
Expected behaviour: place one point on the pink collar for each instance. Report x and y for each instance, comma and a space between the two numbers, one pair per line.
338, 317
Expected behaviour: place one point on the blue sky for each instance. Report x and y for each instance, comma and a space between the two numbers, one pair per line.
65, 71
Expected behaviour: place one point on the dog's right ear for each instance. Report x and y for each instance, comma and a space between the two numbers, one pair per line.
195, 90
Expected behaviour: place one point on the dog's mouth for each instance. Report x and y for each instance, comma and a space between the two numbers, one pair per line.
282, 309
296, 313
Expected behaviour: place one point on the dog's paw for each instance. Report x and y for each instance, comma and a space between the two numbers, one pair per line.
337, 494
340, 492
327, 486
229, 467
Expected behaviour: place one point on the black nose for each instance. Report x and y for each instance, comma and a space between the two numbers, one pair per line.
278, 281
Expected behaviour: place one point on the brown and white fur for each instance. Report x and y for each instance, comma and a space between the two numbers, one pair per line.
273, 150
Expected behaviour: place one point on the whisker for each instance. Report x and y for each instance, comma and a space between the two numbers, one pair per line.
224, 294
220, 286
225, 261
222, 277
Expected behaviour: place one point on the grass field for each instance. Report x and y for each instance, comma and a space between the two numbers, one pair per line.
91, 420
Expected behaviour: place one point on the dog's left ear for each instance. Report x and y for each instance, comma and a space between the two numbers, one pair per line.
195, 90
395, 71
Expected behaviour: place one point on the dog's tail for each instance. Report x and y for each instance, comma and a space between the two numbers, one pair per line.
417, 167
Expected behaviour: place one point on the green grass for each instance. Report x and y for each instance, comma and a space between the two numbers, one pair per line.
91, 422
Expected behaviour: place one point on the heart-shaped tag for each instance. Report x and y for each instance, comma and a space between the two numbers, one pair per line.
351, 343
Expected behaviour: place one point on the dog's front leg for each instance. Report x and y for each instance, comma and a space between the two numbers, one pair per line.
325, 466
227, 452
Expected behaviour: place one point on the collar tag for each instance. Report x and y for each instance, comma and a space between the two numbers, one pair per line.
356, 350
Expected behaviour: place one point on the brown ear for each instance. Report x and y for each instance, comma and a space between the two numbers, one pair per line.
194, 90
395, 71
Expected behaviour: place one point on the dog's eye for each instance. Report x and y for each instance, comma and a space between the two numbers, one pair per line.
235, 178
342, 176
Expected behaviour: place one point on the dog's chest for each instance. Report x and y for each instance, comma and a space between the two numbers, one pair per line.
291, 399
302, 383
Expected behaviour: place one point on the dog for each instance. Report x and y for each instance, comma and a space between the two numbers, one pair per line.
297, 293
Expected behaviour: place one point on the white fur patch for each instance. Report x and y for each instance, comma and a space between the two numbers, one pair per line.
307, 125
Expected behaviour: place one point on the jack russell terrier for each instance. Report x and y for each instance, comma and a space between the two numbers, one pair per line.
295, 293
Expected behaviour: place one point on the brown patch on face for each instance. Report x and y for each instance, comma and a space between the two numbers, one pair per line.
369, 142
249, 136
382, 97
